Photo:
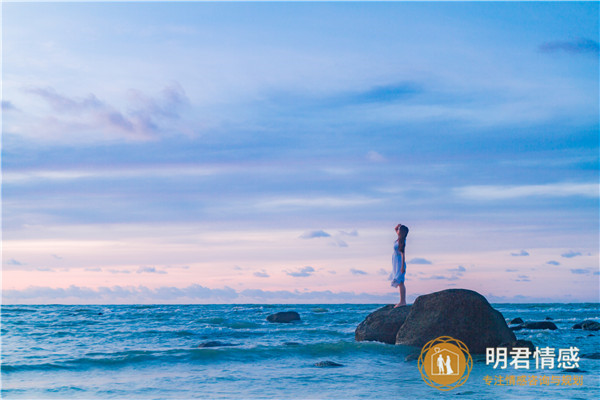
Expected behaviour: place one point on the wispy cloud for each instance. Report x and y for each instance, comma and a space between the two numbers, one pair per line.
261, 274
580, 271
522, 278
14, 262
439, 277
355, 271
314, 234
455, 274
492, 192
577, 46
8, 106
571, 254
552, 262
315, 202
522, 253
419, 260
511, 270
145, 118
376, 157
150, 270
301, 273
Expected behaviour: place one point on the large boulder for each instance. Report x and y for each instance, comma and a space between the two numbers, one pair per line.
284, 316
462, 314
382, 325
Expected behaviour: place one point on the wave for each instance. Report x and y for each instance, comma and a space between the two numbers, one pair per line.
111, 360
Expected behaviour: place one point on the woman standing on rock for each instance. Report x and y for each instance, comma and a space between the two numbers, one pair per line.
399, 263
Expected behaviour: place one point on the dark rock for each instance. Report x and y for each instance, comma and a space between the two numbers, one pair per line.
590, 325
540, 325
292, 344
462, 314
215, 343
593, 356
284, 316
549, 319
327, 364
591, 334
516, 327
519, 343
566, 370
382, 325
576, 326
517, 320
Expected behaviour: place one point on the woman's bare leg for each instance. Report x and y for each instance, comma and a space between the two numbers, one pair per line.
402, 294
402, 290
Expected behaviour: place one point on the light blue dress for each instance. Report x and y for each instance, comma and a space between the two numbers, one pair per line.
397, 277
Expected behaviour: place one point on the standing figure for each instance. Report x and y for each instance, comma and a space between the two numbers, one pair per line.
449, 370
440, 365
399, 263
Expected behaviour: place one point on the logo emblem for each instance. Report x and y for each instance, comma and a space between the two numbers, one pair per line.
445, 363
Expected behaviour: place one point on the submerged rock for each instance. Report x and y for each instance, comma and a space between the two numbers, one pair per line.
327, 364
284, 316
382, 325
540, 325
517, 320
319, 310
593, 356
215, 343
549, 319
462, 314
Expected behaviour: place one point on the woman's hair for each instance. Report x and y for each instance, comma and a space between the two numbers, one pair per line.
402, 238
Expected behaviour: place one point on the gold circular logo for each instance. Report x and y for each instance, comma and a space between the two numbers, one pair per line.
445, 363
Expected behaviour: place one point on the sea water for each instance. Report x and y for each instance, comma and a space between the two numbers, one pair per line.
152, 352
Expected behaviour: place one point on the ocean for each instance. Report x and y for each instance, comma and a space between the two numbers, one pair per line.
152, 352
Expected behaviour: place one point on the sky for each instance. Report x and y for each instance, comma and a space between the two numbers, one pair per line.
263, 152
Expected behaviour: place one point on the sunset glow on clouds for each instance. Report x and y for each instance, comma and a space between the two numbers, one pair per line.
207, 153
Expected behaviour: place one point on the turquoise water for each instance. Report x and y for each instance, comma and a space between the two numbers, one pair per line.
56, 351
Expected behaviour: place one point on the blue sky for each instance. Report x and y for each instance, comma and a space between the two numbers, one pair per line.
265, 151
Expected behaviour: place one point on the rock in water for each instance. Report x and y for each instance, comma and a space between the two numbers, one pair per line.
540, 325
382, 325
327, 364
517, 320
462, 314
593, 356
284, 316
590, 325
